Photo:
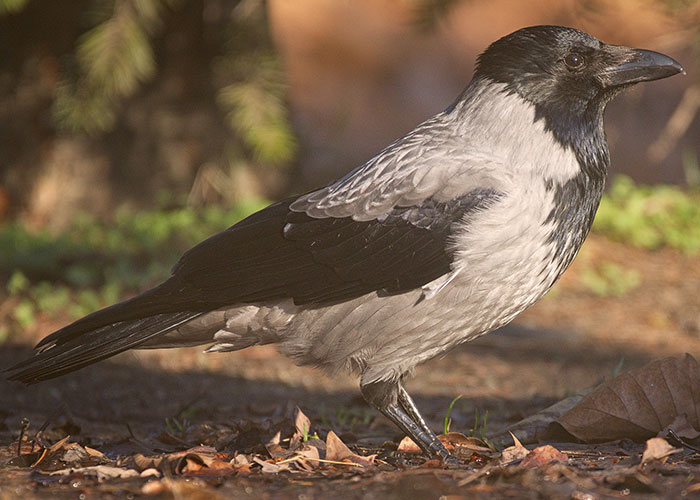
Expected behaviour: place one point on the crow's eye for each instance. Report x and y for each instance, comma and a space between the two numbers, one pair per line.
574, 60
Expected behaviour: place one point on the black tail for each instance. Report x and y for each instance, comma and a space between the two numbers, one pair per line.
102, 334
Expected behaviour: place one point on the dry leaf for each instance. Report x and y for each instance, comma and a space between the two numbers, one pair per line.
141, 462
338, 451
513, 453
150, 473
316, 443
269, 467
543, 455
457, 440
62, 444
682, 428
534, 428
302, 423
93, 452
276, 439
191, 465
658, 449
407, 445
75, 454
276, 451
451, 440
182, 462
311, 452
102, 472
638, 404
58, 446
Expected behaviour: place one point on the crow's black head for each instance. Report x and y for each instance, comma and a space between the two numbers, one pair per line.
560, 65
569, 76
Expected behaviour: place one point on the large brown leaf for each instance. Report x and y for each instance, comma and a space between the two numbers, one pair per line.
638, 404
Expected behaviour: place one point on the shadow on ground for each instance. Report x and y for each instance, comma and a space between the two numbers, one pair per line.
510, 374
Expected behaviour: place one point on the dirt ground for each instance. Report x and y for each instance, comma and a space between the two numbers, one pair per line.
159, 403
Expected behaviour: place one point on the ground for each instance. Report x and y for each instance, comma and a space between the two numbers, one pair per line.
159, 403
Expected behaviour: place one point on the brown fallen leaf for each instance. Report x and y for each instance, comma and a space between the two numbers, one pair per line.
513, 453
182, 462
311, 452
276, 451
451, 440
62, 444
276, 439
657, 449
457, 440
75, 454
150, 473
191, 465
681, 428
337, 451
58, 447
638, 404
543, 455
534, 429
270, 467
302, 424
102, 472
241, 464
407, 445
318, 444
93, 452
141, 462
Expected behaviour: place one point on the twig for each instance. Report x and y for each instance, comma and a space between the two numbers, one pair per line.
677, 125
39, 460
682, 442
24, 426
46, 423
299, 457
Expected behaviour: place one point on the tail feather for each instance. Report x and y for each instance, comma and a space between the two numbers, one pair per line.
62, 354
158, 300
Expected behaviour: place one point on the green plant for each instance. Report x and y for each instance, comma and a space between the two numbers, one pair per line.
180, 422
96, 263
479, 428
175, 425
448, 421
345, 417
118, 49
618, 367
650, 216
11, 6
306, 436
610, 279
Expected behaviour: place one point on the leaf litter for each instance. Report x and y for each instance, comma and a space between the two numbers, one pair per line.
642, 406
639, 404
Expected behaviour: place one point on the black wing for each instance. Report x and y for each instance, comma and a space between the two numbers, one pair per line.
275, 253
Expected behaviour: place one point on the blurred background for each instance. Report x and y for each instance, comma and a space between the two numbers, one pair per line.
132, 129
111, 102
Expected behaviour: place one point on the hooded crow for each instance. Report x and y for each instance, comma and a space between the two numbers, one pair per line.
443, 236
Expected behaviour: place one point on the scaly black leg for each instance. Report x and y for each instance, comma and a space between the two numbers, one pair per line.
410, 408
386, 397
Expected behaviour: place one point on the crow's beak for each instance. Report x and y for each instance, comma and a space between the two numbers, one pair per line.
640, 66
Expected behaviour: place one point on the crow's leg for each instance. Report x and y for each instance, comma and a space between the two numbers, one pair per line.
406, 402
384, 396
